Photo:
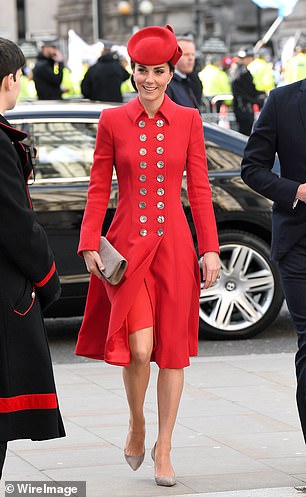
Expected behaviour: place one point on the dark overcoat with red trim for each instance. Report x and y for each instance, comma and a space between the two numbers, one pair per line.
29, 282
149, 228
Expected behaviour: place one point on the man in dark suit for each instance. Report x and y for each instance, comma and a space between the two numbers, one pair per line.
29, 282
281, 129
186, 87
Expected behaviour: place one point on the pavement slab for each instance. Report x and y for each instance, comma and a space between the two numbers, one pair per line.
237, 432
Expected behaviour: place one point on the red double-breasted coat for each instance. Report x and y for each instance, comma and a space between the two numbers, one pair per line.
149, 228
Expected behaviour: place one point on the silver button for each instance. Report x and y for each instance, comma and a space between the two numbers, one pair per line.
160, 164
143, 232
160, 178
143, 151
142, 205
33, 295
160, 191
142, 178
143, 191
143, 219
160, 137
160, 205
160, 150
143, 138
143, 165
141, 124
161, 219
160, 232
159, 123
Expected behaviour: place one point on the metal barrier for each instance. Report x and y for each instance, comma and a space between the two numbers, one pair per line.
220, 111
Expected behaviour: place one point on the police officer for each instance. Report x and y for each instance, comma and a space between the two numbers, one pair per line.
295, 68
48, 72
244, 91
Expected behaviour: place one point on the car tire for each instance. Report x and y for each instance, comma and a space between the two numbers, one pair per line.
248, 295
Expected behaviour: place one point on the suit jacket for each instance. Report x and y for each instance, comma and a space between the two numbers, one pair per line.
182, 91
281, 129
149, 228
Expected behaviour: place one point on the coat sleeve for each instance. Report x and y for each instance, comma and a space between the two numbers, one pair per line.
199, 192
86, 85
99, 188
259, 156
22, 239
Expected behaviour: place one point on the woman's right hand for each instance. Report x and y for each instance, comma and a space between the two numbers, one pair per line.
93, 263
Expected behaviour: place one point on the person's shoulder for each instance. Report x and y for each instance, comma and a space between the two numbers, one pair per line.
285, 90
4, 138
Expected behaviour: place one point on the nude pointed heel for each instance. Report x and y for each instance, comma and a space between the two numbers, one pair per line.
134, 461
163, 481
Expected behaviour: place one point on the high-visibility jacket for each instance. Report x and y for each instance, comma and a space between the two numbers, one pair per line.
27, 88
215, 81
262, 72
295, 68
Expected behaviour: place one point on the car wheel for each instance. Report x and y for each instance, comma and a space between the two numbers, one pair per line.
248, 295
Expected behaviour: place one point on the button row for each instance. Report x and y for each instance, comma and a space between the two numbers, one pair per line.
160, 137
159, 205
160, 178
159, 123
160, 164
159, 191
143, 151
143, 232
160, 219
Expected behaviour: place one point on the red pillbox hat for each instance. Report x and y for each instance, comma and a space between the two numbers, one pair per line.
154, 45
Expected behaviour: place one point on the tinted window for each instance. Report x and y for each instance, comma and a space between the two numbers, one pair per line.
219, 158
65, 149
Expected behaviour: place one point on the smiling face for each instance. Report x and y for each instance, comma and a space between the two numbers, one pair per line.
152, 81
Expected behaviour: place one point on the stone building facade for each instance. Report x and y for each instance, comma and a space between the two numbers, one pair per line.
218, 25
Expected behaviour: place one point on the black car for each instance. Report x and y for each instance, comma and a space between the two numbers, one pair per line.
248, 296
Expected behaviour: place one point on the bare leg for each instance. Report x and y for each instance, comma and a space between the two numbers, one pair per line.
169, 390
136, 378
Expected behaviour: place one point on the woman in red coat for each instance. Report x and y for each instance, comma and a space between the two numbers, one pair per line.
153, 313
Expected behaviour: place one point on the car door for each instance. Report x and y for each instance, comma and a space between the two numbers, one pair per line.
65, 151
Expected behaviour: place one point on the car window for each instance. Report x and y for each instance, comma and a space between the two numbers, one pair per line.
219, 158
65, 149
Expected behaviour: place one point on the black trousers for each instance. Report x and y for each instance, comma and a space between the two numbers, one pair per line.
292, 269
245, 121
3, 447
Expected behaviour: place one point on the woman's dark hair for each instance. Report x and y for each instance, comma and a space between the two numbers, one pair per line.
11, 58
133, 64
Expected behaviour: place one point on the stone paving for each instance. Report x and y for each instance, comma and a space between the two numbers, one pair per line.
237, 433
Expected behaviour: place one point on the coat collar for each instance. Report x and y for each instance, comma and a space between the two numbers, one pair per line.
12, 133
135, 110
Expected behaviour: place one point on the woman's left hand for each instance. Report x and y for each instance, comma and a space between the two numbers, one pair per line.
211, 268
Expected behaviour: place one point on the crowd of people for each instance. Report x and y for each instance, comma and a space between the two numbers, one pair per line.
244, 79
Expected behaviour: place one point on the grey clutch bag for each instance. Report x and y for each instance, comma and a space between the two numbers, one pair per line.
115, 264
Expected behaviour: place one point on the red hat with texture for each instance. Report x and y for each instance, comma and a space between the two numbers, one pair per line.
154, 45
